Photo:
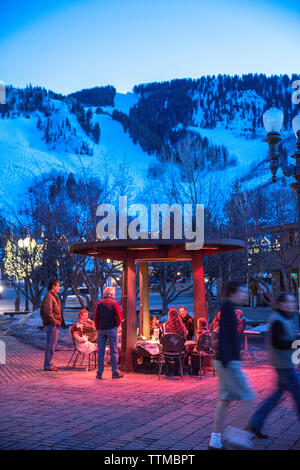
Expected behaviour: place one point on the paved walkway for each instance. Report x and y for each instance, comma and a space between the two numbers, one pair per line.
70, 409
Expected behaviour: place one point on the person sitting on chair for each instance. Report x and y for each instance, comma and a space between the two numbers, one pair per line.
205, 342
84, 333
241, 321
173, 325
154, 326
86, 325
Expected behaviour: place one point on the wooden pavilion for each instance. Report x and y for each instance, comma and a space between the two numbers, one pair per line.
144, 251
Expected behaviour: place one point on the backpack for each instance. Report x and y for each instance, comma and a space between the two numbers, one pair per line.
205, 341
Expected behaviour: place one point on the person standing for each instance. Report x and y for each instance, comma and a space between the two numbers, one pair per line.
233, 384
253, 293
107, 320
281, 336
51, 313
187, 321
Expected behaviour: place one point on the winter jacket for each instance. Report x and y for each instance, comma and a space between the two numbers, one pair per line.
280, 339
51, 311
107, 314
229, 342
188, 322
88, 329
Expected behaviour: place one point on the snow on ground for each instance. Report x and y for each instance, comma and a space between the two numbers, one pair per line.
24, 155
123, 102
22, 160
28, 328
247, 151
117, 147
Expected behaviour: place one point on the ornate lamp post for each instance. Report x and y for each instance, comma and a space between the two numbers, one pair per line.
273, 120
27, 244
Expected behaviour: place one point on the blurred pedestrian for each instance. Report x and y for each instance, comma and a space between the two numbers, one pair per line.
281, 336
233, 384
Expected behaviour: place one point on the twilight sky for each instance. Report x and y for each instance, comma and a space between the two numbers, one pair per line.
73, 44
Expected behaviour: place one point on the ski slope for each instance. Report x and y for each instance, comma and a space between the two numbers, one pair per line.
24, 156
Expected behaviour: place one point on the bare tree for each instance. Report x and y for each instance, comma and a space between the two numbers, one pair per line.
64, 211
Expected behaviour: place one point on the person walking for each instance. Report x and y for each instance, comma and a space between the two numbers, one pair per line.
51, 313
107, 320
281, 336
233, 384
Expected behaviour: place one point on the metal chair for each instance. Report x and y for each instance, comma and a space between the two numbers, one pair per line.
201, 355
172, 348
78, 354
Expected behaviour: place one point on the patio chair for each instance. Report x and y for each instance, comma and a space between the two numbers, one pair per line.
172, 347
77, 353
201, 358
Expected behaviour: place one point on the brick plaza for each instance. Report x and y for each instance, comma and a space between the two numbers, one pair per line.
71, 409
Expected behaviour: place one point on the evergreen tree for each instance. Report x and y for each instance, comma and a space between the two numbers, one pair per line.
96, 133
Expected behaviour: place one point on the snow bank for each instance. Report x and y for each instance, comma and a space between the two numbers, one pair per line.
29, 329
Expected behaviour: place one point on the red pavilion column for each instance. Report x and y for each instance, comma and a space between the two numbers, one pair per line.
144, 300
129, 314
124, 314
200, 306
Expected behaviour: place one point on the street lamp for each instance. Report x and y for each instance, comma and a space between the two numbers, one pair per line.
27, 244
273, 120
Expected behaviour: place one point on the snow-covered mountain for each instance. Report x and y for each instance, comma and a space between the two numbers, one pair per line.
26, 154
41, 131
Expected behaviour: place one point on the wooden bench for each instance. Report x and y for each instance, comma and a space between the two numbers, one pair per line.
12, 313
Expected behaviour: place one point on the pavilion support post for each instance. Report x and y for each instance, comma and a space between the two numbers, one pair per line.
144, 300
124, 315
129, 306
200, 306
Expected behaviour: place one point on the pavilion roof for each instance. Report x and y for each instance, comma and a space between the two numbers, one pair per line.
151, 249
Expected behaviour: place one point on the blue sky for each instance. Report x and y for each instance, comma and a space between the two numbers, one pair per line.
73, 44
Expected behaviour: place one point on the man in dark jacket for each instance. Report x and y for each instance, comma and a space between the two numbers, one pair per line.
52, 317
233, 383
107, 320
188, 322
